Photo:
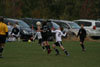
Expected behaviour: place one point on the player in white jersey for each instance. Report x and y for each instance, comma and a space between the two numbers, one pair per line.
40, 40
58, 36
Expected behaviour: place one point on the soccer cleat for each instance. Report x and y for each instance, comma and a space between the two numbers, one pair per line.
49, 51
68, 54
83, 50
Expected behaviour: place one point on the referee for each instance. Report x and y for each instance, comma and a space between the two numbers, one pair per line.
82, 34
3, 35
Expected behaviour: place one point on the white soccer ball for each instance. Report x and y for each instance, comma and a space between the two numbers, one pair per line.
38, 23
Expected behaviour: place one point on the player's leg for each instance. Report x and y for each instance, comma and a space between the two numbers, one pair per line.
65, 51
42, 44
48, 47
2, 43
54, 47
1, 49
82, 44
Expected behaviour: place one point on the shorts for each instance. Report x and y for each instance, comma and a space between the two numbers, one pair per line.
45, 38
40, 41
58, 43
2, 38
82, 40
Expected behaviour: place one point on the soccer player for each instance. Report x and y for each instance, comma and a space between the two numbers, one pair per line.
3, 35
45, 35
82, 35
58, 36
39, 36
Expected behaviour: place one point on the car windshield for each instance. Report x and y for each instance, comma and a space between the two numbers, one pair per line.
23, 24
20, 22
74, 25
85, 23
56, 26
97, 24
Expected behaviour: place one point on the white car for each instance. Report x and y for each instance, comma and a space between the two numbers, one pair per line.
68, 26
92, 27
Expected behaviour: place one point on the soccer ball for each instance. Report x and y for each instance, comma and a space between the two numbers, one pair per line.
38, 23
29, 40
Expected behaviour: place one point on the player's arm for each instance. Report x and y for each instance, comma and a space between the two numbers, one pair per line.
53, 31
6, 30
85, 34
35, 36
63, 34
78, 33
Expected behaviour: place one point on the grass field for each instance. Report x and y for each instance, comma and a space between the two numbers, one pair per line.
24, 54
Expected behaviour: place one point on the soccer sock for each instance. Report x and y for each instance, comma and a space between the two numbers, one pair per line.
82, 46
56, 50
65, 51
43, 47
1, 50
46, 47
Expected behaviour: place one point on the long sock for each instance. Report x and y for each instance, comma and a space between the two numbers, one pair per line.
43, 47
56, 50
46, 47
1, 50
65, 51
82, 45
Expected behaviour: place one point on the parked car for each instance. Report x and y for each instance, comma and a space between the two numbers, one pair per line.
92, 27
69, 26
32, 23
25, 31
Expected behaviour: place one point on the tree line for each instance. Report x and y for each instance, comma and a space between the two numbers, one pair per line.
50, 9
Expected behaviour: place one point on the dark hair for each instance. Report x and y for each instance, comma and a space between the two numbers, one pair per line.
44, 22
61, 28
1, 19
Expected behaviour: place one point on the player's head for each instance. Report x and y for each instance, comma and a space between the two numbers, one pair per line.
61, 28
1, 19
82, 25
44, 22
15, 26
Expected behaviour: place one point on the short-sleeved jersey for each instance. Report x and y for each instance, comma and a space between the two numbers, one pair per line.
46, 31
58, 35
39, 35
3, 28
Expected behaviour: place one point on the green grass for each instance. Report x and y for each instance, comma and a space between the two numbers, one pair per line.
24, 54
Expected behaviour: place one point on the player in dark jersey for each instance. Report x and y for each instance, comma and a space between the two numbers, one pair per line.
82, 35
45, 35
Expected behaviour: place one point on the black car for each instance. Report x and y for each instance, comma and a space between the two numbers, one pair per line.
32, 23
25, 30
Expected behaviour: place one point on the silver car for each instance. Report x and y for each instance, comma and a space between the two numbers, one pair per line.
92, 27
69, 26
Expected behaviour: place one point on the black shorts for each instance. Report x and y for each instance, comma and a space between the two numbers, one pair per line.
2, 38
40, 41
58, 43
82, 40
45, 38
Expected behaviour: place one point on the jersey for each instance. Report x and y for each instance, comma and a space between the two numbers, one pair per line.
3, 28
58, 35
46, 31
39, 35
82, 33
